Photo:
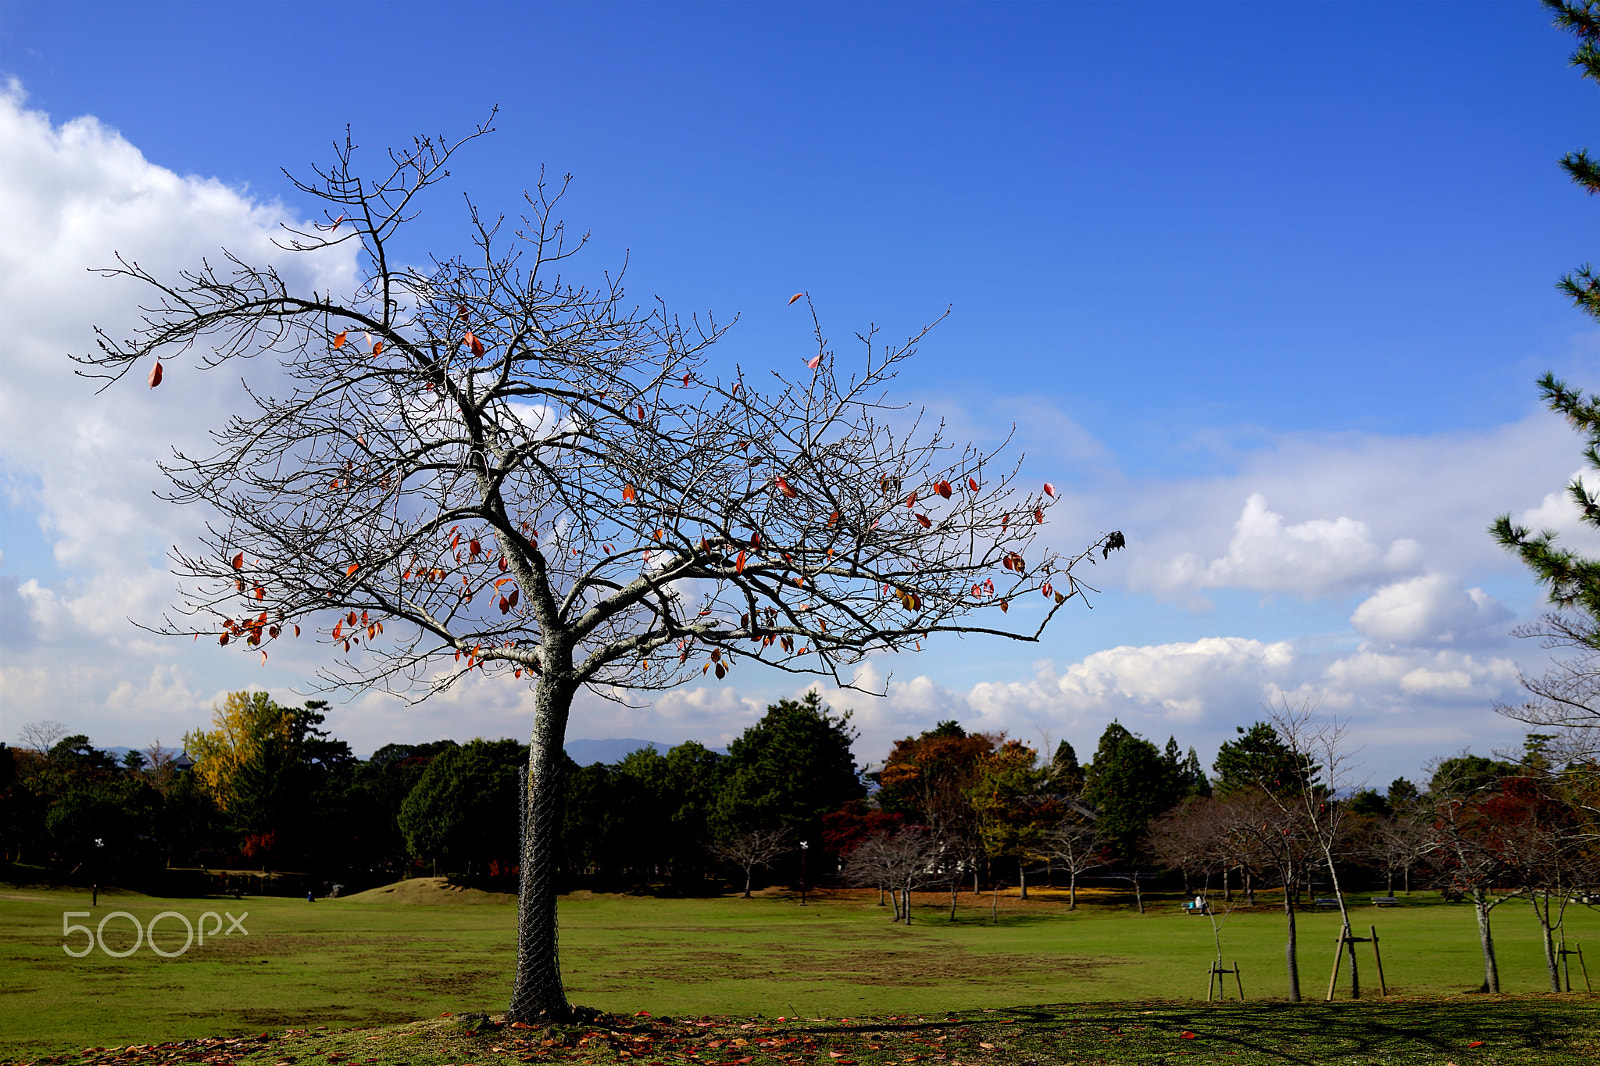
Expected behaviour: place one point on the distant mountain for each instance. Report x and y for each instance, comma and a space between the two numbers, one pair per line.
586, 752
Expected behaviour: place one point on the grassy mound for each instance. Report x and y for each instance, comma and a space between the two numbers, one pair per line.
428, 890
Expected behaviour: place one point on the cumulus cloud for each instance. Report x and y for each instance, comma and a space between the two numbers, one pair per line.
1337, 515
1431, 610
1311, 558
73, 196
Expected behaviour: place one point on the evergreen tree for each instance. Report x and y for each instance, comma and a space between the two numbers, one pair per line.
789, 769
1573, 580
1260, 759
1128, 783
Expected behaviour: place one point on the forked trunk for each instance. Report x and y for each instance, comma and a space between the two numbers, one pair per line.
537, 995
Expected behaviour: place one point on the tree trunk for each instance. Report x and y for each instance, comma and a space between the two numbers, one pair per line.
1072, 892
905, 894
1491, 970
1022, 877
537, 994
955, 888
1289, 948
1227, 884
1548, 937
1249, 886
748, 873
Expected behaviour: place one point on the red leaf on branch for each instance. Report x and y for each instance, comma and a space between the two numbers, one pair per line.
473, 547
338, 628
335, 227
155, 374
238, 561
261, 593
738, 564
1004, 606
972, 483
785, 488
1004, 522
911, 500
641, 412
377, 348
1049, 490
461, 312
350, 571
924, 521
1038, 515
338, 342
629, 494
470, 339
814, 361
795, 297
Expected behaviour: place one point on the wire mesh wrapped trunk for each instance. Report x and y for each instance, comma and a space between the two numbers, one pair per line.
537, 994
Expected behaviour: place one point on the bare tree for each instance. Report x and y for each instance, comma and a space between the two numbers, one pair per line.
1565, 699
1075, 847
1260, 831
485, 466
753, 848
1322, 814
901, 861
41, 736
1397, 844
1465, 848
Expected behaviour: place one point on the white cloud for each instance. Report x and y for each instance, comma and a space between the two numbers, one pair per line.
1313, 558
1367, 509
1431, 610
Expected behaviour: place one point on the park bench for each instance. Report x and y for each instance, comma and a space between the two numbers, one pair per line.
1385, 901
1193, 907
1326, 902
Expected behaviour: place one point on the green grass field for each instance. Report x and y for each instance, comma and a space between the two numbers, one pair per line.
389, 958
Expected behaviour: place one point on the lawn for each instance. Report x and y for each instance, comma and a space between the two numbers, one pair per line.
390, 958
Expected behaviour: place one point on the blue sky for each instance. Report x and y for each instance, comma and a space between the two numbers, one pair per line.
1199, 252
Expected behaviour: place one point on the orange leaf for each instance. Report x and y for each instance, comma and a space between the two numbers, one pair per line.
261, 593
787, 489
377, 349
738, 564
335, 227
1038, 515
238, 561
833, 518
473, 547
224, 640
795, 297
1476, 1043
338, 342
911, 501
972, 483
1187, 1035
471, 340
351, 618
338, 627
350, 571
502, 581
924, 521
1004, 522
297, 631
155, 374
629, 494
1004, 606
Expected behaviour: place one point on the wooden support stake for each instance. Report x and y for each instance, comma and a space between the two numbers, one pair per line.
1238, 980
1338, 957
1581, 966
1211, 981
1383, 989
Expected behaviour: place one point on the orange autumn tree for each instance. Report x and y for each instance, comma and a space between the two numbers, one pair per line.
486, 467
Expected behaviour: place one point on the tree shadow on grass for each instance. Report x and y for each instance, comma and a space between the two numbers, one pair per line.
1556, 1029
